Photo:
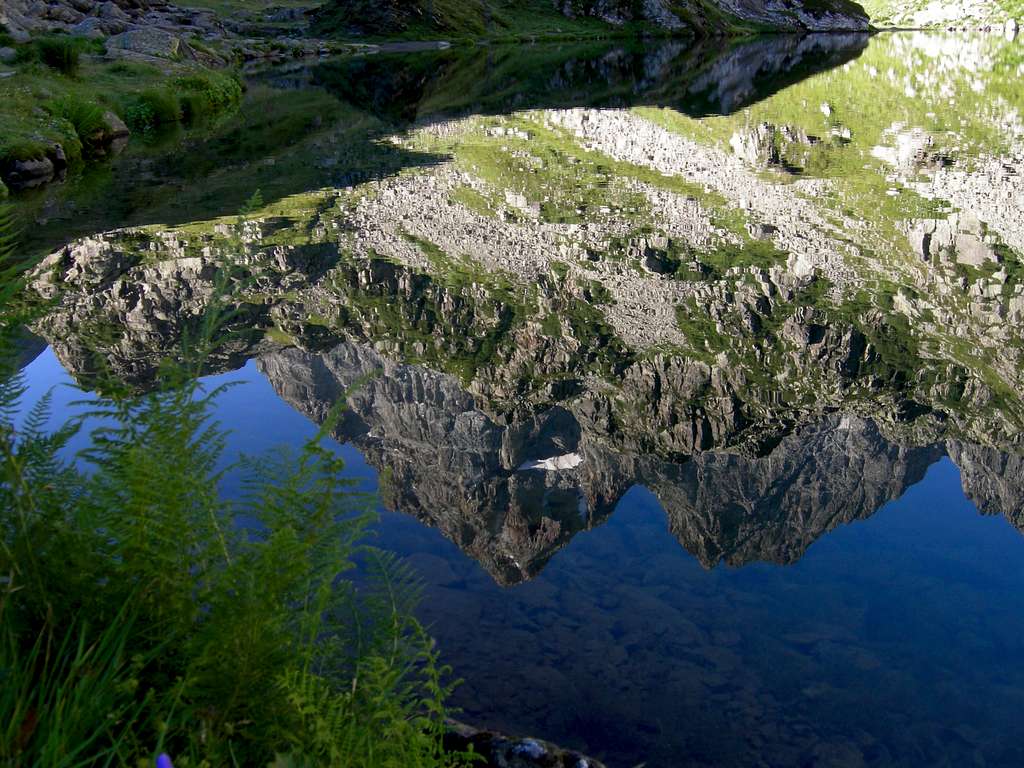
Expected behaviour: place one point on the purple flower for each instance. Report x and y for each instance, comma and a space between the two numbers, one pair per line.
164, 761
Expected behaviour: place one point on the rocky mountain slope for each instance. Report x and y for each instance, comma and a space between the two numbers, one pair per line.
774, 319
526, 18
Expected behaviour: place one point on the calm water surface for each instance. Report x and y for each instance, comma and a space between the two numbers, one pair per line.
689, 377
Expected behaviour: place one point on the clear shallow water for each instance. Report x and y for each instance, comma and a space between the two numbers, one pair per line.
766, 320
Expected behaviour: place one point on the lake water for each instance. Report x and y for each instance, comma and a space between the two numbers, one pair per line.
689, 376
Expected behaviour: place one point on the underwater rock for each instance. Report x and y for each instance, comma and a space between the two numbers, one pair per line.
501, 751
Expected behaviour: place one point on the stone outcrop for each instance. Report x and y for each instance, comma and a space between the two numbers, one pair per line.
617, 13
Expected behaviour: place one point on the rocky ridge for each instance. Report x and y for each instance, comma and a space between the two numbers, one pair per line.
676, 16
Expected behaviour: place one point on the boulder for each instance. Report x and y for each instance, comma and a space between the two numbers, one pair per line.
149, 42
110, 139
111, 12
761, 231
63, 14
7, 55
115, 137
25, 174
116, 129
91, 28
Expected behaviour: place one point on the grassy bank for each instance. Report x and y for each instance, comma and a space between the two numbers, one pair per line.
64, 93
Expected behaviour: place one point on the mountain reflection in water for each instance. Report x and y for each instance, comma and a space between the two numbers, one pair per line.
586, 306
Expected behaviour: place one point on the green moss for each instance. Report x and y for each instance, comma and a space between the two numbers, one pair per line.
702, 333
279, 336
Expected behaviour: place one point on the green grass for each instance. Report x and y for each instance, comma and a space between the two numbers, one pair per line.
473, 200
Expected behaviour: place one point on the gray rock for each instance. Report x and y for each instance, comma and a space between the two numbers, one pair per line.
149, 42
500, 751
972, 251
57, 156
91, 28
25, 174
112, 12
7, 55
63, 14
762, 231
116, 129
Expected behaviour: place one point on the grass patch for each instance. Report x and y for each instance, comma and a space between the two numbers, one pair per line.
39, 107
63, 54
86, 117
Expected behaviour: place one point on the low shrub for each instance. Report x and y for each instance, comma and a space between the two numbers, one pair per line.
60, 53
185, 99
207, 94
153, 107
